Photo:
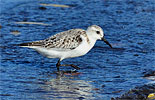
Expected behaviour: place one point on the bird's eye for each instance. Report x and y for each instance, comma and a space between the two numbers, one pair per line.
98, 32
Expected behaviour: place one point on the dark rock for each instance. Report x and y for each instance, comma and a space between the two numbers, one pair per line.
42, 8
136, 55
138, 93
150, 73
140, 43
103, 86
117, 77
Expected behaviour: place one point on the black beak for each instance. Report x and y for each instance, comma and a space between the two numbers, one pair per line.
103, 39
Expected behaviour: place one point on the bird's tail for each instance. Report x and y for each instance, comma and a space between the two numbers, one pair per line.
31, 44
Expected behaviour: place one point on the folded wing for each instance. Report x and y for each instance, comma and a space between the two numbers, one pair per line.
65, 40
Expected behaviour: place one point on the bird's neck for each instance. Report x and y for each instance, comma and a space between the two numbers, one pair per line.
92, 41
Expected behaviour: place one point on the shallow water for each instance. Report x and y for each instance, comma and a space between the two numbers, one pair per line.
128, 25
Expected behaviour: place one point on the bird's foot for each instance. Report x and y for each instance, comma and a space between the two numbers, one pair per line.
71, 66
76, 67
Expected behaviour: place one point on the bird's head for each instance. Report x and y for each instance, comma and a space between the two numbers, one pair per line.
97, 33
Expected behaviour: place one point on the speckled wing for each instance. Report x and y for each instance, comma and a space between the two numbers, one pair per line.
64, 40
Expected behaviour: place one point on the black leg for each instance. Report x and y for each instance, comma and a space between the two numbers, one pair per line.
58, 65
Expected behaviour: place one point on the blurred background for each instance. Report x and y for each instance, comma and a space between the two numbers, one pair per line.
105, 73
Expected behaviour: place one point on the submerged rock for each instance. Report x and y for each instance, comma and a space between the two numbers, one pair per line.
148, 74
42, 8
138, 93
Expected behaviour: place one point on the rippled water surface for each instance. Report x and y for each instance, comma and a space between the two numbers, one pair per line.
26, 75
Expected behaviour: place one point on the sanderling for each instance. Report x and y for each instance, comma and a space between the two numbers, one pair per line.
68, 44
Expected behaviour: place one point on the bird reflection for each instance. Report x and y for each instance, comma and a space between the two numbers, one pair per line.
68, 87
